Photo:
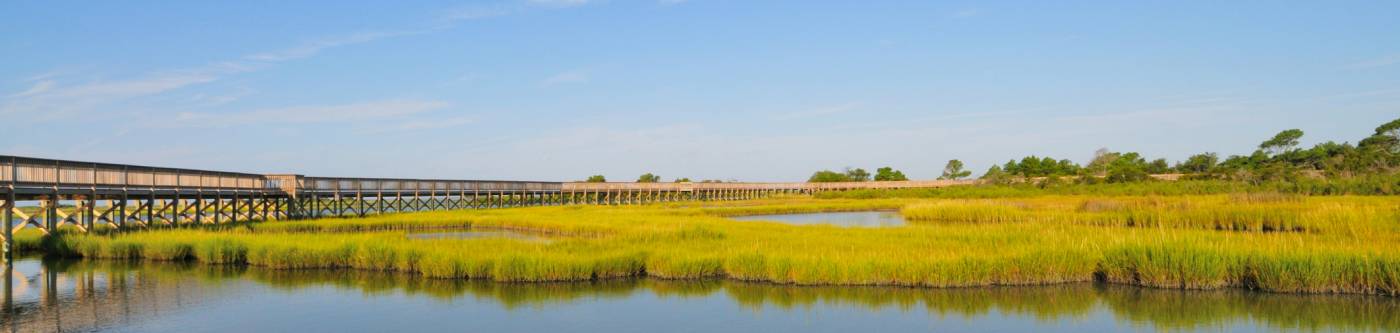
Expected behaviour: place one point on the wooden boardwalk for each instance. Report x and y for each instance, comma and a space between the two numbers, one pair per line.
47, 194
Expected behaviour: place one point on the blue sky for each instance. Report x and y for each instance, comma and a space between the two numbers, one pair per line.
747, 90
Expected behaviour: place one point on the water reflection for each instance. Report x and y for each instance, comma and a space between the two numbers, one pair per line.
95, 295
61, 296
844, 219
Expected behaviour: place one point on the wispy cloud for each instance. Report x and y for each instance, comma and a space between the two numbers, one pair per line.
567, 77
208, 100
422, 125
967, 12
559, 3
818, 112
1386, 92
48, 99
445, 21
483, 11
477, 12
1375, 63
374, 110
314, 47
38, 88
135, 87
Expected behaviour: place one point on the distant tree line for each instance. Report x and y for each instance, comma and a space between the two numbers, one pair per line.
648, 178
1106, 165
652, 178
884, 174
1277, 158
888, 174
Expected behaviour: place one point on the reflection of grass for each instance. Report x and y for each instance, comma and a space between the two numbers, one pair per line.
1045, 303
1346, 244
1169, 310
1162, 309
508, 295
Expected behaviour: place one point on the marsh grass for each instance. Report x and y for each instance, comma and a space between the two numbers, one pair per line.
1243, 213
1335, 244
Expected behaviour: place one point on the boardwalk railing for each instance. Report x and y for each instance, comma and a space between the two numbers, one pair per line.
419, 185
28, 174
629, 193
791, 186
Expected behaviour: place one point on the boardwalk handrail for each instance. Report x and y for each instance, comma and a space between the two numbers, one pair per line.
794, 186
421, 185
42, 172
61, 173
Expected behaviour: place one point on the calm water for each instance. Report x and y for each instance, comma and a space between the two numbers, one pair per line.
164, 297
845, 219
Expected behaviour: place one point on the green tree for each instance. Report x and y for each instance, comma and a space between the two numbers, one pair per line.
1199, 163
1031, 166
683, 180
954, 170
1129, 167
1067, 167
1099, 165
1383, 143
648, 178
597, 179
1011, 168
996, 175
1391, 129
1322, 156
1386, 139
1035, 166
828, 176
887, 174
1282, 142
857, 175
1158, 166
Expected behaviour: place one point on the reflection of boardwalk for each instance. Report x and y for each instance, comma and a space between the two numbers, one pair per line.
39, 298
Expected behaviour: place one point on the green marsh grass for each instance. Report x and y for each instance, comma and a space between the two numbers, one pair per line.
1249, 213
